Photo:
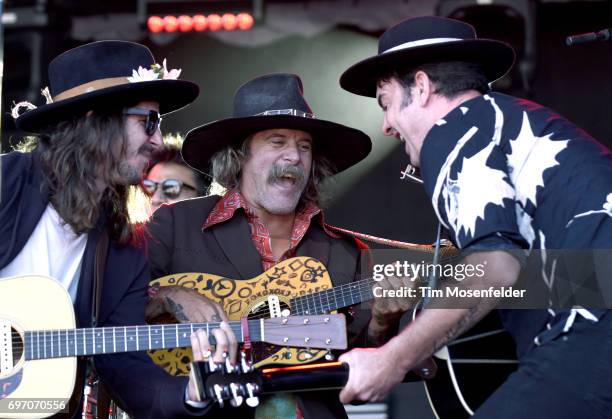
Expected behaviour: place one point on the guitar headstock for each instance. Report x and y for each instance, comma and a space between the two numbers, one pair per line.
317, 331
221, 383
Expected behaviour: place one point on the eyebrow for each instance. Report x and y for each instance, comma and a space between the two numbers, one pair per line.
277, 135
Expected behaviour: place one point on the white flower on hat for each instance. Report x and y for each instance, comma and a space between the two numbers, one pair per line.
156, 72
172, 74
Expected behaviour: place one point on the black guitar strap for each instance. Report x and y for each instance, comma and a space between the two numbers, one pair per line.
99, 268
103, 399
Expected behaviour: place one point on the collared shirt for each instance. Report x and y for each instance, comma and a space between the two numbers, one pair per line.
279, 405
233, 200
506, 173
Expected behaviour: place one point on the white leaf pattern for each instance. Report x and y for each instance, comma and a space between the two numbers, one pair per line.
531, 156
466, 193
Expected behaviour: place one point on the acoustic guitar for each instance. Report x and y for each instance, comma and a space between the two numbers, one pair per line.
466, 373
296, 286
39, 343
469, 369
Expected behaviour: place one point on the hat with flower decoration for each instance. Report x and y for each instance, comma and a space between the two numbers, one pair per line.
105, 75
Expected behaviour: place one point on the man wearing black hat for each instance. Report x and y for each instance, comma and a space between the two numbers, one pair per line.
63, 205
503, 174
272, 156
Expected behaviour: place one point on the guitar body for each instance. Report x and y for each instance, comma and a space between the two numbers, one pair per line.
253, 298
470, 369
34, 303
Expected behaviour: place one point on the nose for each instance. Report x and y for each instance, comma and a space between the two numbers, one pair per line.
292, 153
156, 140
158, 198
387, 129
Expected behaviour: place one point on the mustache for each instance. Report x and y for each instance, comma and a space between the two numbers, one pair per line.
277, 172
147, 150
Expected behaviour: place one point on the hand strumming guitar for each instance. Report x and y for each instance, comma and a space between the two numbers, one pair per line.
184, 304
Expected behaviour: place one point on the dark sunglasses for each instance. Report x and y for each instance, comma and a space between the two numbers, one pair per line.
153, 118
171, 188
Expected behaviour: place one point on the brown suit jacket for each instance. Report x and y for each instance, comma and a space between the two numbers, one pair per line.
179, 244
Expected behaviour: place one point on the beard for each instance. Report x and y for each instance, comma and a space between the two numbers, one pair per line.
131, 173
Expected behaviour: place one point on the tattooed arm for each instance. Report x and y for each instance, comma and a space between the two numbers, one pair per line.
374, 372
184, 304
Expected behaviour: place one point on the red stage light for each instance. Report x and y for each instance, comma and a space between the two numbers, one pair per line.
171, 23
155, 24
199, 23
229, 22
245, 21
214, 22
185, 23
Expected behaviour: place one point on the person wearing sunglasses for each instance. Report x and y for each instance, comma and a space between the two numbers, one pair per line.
169, 179
63, 206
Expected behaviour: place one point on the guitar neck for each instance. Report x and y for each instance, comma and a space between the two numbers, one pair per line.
43, 344
355, 292
334, 298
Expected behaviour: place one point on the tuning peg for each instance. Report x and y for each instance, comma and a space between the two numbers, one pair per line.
252, 400
329, 356
218, 390
229, 368
211, 364
244, 362
236, 398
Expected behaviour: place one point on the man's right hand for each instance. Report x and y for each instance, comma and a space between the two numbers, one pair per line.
185, 304
226, 347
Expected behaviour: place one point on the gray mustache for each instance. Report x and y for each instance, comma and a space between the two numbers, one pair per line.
277, 172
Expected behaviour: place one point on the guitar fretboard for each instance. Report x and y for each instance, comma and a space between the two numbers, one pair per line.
43, 344
334, 298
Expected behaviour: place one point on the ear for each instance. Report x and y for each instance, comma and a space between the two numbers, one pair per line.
423, 87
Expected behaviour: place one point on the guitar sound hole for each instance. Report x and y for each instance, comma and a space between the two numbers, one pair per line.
262, 310
262, 350
17, 343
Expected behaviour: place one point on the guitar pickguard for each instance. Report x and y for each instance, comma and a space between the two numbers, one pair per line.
10, 384
239, 298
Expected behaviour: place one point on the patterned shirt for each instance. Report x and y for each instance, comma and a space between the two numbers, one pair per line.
282, 406
506, 173
233, 200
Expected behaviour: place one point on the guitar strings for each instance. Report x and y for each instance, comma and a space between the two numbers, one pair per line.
301, 303
62, 338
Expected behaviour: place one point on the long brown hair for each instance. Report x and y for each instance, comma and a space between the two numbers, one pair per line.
78, 156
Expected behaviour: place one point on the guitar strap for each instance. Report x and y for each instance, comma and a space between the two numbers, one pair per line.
103, 400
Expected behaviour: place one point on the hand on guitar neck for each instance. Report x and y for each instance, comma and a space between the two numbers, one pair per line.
388, 308
224, 353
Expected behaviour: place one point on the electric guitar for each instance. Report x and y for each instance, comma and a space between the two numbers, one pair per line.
39, 343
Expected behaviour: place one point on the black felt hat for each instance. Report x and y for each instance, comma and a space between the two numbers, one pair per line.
97, 75
268, 102
424, 40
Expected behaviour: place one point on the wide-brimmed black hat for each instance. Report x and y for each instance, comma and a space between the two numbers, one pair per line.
97, 76
268, 102
424, 40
